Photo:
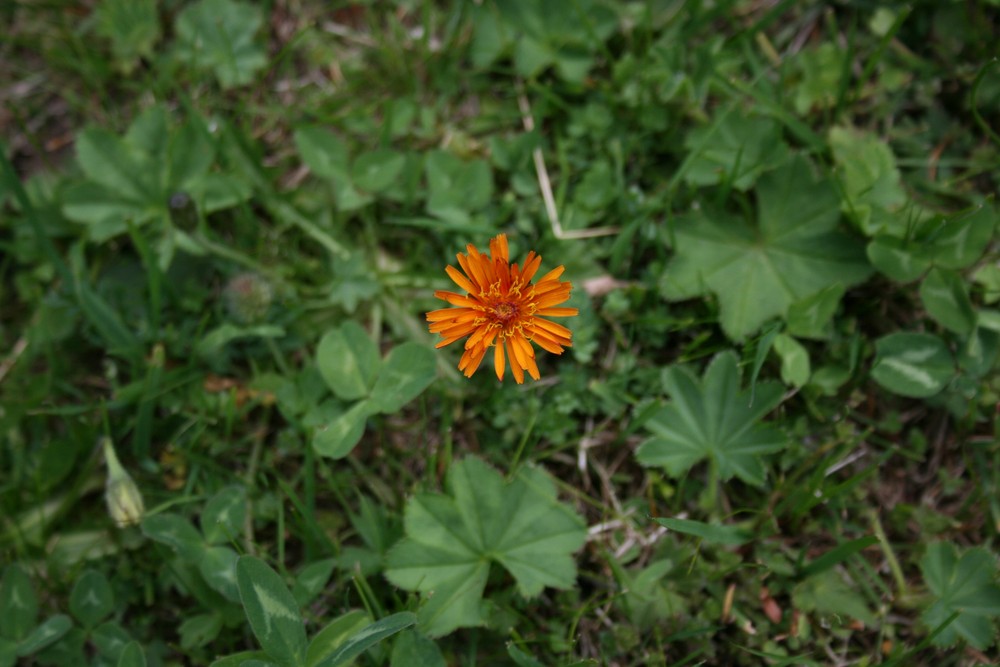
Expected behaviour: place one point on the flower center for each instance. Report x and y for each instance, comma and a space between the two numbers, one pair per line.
505, 311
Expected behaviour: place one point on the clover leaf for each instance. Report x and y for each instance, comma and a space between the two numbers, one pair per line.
758, 271
132, 178
452, 540
220, 34
713, 420
966, 585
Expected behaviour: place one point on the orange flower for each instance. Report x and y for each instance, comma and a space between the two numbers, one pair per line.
503, 310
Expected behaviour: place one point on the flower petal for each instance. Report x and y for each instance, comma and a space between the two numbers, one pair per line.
498, 362
460, 280
558, 312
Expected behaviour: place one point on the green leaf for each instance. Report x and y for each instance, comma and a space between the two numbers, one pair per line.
456, 188
272, 612
18, 603
8, 653
323, 152
520, 658
312, 579
872, 185
336, 439
837, 555
133, 27
348, 360
827, 593
451, 541
367, 637
175, 532
413, 648
91, 600
220, 34
336, 632
211, 344
966, 585
735, 149
238, 659
710, 532
713, 420
224, 515
963, 238
107, 161
218, 566
199, 630
757, 272
377, 170
810, 317
978, 354
945, 296
406, 371
190, 155
918, 365
795, 367
45, 634
902, 260
132, 656
110, 639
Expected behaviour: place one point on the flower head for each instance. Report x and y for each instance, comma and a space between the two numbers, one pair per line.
502, 309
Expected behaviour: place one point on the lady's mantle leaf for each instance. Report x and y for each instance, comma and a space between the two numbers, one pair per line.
967, 585
451, 540
714, 420
220, 34
758, 271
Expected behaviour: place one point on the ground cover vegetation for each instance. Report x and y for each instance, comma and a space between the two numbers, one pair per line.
766, 435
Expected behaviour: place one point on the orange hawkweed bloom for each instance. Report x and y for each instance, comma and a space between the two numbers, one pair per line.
503, 310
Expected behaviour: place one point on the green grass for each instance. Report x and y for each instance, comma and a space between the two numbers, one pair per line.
773, 440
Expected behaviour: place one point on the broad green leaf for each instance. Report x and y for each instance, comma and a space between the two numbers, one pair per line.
190, 154
323, 152
311, 580
238, 659
710, 532
967, 585
451, 541
646, 599
107, 161
413, 648
821, 70
735, 149
367, 637
212, 342
110, 639
224, 515
795, 368
133, 27
348, 360
272, 612
827, 593
918, 365
8, 653
406, 371
18, 603
220, 34
218, 566
456, 188
337, 438
45, 634
91, 600
873, 192
712, 420
758, 271
132, 656
978, 354
520, 658
962, 239
175, 532
336, 632
810, 317
945, 296
988, 278
902, 260
377, 170
199, 630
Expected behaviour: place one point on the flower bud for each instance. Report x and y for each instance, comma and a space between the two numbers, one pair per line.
248, 297
120, 492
